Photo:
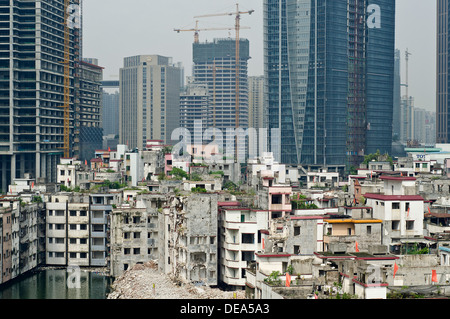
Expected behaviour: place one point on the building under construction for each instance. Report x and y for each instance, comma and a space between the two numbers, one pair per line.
32, 73
215, 65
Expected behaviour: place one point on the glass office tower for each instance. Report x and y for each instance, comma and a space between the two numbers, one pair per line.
327, 72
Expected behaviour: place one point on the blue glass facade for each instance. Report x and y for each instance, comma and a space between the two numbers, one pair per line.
328, 76
380, 80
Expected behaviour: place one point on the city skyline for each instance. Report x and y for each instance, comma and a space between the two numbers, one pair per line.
409, 28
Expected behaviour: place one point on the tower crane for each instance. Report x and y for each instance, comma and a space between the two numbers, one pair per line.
237, 28
196, 30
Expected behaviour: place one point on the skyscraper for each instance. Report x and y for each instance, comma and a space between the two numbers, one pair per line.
195, 107
396, 127
329, 69
110, 113
256, 109
88, 120
442, 59
215, 65
32, 87
149, 106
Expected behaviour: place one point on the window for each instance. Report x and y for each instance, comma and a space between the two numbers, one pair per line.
248, 238
395, 205
126, 235
73, 227
137, 235
126, 251
410, 225
59, 240
83, 241
73, 240
136, 219
296, 230
83, 255
73, 255
97, 228
83, 213
395, 225
83, 227
369, 230
296, 250
136, 251
277, 199
73, 213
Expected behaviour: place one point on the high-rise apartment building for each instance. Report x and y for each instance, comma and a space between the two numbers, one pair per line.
215, 65
442, 60
88, 118
32, 87
256, 101
110, 113
195, 116
256, 111
149, 106
396, 128
329, 68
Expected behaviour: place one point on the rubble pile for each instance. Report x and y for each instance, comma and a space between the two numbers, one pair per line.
143, 281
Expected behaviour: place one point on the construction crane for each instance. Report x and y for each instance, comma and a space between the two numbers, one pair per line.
196, 31
237, 27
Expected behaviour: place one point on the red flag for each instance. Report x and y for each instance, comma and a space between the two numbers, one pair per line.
395, 269
32, 184
357, 249
288, 280
85, 162
434, 276
429, 210
109, 149
263, 246
409, 209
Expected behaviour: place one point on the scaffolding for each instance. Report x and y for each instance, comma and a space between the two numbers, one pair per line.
356, 101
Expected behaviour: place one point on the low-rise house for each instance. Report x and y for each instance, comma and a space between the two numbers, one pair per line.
189, 241
363, 275
128, 241
357, 230
241, 235
322, 178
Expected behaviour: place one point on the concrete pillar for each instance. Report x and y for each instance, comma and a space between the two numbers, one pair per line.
4, 185
38, 165
22, 159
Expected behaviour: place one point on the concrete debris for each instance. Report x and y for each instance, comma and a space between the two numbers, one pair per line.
144, 281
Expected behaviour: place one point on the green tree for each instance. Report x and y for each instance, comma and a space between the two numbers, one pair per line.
178, 173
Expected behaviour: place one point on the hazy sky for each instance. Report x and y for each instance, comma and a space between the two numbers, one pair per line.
114, 29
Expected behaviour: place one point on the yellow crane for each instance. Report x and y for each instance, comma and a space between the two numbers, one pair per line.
237, 28
196, 31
